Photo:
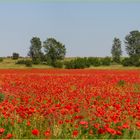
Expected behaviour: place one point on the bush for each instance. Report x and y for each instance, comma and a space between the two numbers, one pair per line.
1, 59
78, 63
15, 55
21, 61
58, 64
106, 61
94, 61
36, 61
131, 61
126, 62
135, 60
28, 63
69, 64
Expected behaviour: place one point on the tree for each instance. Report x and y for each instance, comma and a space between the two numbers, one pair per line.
54, 50
132, 42
15, 55
116, 50
35, 50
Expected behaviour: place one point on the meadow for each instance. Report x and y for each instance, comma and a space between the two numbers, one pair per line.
68, 104
9, 63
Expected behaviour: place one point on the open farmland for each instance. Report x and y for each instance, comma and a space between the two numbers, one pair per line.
37, 103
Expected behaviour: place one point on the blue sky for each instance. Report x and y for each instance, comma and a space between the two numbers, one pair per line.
86, 28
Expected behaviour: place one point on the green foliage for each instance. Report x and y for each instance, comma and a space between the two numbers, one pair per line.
116, 50
94, 61
36, 61
54, 50
2, 96
135, 60
1, 59
121, 83
131, 61
28, 63
132, 42
21, 61
58, 64
126, 62
15, 55
106, 61
69, 64
78, 63
35, 50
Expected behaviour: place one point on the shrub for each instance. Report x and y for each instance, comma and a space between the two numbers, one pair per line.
106, 61
131, 61
126, 62
94, 61
135, 60
36, 61
69, 64
1, 59
78, 63
21, 61
15, 55
28, 63
58, 64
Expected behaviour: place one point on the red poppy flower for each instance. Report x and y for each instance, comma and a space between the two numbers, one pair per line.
118, 132
138, 124
111, 131
9, 136
2, 130
75, 133
28, 123
35, 132
47, 133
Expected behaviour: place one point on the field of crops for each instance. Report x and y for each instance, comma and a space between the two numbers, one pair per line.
84, 104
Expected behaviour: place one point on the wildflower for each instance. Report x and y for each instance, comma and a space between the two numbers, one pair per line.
9, 136
125, 125
118, 132
97, 125
28, 123
75, 133
111, 131
47, 133
2, 130
60, 122
91, 132
35, 132
83, 123
138, 124
101, 131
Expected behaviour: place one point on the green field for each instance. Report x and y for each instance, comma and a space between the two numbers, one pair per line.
9, 63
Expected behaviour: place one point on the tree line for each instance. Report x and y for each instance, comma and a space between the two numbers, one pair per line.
52, 52
132, 47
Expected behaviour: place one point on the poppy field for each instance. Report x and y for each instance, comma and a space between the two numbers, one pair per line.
50, 104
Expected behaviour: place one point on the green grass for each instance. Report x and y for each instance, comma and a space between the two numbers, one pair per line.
9, 63
114, 67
